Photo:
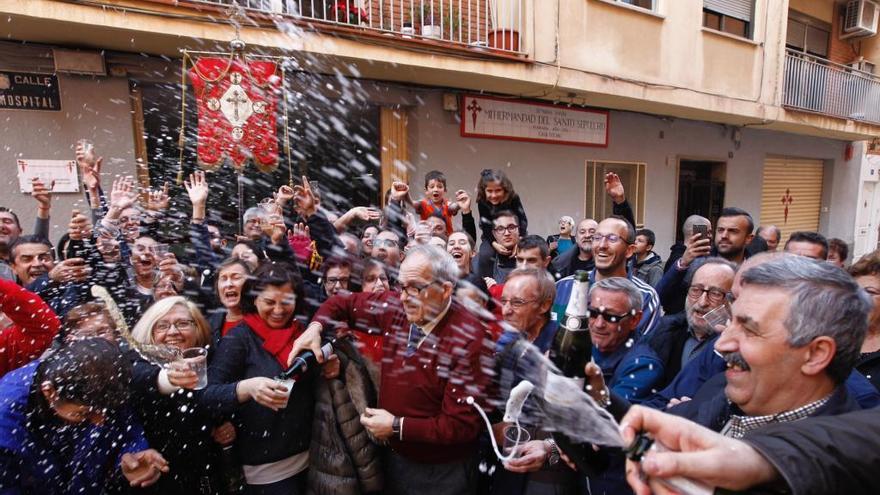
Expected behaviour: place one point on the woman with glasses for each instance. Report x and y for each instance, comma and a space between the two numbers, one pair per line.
178, 418
274, 432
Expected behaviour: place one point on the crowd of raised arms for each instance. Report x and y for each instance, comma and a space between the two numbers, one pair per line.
136, 358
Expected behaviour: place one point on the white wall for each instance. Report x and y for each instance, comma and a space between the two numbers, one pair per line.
95, 108
550, 178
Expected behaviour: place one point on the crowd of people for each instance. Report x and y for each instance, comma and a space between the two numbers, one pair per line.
137, 360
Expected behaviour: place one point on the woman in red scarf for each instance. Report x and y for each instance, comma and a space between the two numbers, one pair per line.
274, 431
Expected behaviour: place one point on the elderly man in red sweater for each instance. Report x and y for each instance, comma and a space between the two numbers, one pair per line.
436, 354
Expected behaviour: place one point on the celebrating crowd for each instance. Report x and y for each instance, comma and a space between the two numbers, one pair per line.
137, 359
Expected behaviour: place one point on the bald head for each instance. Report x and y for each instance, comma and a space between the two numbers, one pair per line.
772, 235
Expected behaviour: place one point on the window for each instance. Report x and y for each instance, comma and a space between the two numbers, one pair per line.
807, 35
632, 175
729, 16
645, 4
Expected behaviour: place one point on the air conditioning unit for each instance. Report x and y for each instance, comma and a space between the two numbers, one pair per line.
860, 19
863, 65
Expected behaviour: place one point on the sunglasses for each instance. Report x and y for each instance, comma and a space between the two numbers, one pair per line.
608, 317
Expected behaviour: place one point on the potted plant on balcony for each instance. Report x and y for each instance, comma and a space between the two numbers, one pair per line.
507, 15
348, 12
430, 21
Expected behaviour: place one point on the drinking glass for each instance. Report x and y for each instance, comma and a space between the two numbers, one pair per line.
197, 359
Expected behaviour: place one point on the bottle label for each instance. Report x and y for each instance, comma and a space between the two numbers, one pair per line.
576, 323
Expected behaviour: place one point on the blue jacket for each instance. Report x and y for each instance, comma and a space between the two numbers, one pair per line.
708, 364
632, 371
42, 455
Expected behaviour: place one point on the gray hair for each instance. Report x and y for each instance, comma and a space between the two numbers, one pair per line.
701, 262
567, 219
687, 227
443, 267
825, 302
773, 228
620, 284
255, 211
546, 284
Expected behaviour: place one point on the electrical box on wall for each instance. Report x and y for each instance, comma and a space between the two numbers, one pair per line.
871, 168
79, 62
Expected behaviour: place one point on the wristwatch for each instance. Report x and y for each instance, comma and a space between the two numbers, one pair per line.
553, 458
395, 427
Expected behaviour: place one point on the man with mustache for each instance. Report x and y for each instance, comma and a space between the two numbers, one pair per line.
580, 257
796, 332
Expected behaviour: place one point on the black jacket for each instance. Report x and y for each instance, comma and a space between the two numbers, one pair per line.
711, 408
821, 455
263, 435
668, 341
563, 265
179, 427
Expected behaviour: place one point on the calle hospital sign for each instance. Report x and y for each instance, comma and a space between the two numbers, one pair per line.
496, 118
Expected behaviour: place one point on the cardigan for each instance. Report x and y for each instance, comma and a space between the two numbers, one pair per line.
429, 388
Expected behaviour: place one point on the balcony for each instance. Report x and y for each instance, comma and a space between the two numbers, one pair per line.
824, 87
486, 25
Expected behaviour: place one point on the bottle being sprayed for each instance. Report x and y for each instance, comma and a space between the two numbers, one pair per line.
570, 352
572, 348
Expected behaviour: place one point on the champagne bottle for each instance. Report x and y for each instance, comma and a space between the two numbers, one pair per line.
303, 361
572, 348
571, 351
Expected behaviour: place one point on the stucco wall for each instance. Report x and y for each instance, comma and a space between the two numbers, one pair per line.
550, 178
95, 108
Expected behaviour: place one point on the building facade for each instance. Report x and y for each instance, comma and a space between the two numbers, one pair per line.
769, 105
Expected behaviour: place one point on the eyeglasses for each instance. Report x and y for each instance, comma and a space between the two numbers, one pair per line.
413, 290
516, 302
332, 281
182, 325
612, 238
609, 317
384, 243
714, 295
131, 219
509, 229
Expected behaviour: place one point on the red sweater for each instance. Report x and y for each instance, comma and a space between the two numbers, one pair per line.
34, 326
429, 388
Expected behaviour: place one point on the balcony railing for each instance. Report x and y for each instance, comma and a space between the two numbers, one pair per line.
822, 86
496, 24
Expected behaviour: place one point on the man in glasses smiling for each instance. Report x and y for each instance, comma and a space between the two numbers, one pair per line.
502, 260
612, 244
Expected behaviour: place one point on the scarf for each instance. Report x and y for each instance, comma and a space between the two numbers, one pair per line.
277, 341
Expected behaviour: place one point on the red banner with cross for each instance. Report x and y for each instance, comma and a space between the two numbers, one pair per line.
236, 101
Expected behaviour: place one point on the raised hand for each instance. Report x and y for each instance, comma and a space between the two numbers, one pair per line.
43, 195
399, 190
143, 468
306, 204
196, 188
123, 195
614, 188
284, 195
463, 200
158, 200
89, 167
80, 226
70, 270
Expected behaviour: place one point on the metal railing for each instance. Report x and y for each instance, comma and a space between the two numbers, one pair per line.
822, 86
496, 24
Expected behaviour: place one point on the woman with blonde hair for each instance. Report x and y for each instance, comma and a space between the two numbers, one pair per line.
181, 420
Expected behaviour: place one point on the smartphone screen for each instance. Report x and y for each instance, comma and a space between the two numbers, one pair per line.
703, 230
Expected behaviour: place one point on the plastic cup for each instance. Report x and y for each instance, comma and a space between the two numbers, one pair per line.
160, 250
288, 384
514, 437
197, 359
88, 149
718, 318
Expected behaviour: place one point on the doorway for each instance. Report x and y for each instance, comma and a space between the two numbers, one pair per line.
700, 190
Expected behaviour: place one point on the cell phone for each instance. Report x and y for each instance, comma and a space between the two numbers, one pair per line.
703, 230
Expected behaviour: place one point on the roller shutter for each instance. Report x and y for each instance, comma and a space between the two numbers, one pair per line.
738, 9
797, 184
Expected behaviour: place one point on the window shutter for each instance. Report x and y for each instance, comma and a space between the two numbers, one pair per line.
738, 9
